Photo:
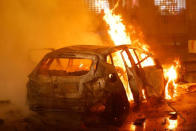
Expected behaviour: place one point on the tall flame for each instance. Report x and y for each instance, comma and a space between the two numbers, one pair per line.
119, 36
117, 29
171, 75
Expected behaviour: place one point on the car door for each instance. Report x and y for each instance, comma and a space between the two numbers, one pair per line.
133, 73
145, 75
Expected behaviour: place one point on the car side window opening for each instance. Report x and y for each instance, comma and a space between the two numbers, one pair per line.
66, 66
121, 70
141, 59
134, 56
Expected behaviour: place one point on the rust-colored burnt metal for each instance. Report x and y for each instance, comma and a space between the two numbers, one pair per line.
79, 78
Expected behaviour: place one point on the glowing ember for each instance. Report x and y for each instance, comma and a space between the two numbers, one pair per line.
171, 75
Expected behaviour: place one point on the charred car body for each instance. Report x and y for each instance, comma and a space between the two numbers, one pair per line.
93, 78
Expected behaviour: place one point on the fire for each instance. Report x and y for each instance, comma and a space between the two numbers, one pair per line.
117, 30
119, 36
143, 93
172, 124
171, 75
147, 62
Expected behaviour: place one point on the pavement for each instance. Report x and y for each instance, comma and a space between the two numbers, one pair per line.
178, 115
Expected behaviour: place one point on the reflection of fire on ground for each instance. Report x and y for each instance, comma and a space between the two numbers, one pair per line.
171, 75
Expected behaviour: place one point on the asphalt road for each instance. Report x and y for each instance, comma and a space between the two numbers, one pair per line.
148, 116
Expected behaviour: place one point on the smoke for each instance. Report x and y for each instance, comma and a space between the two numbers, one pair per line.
29, 25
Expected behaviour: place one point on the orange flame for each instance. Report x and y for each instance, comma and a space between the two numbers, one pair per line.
171, 75
172, 125
117, 30
119, 36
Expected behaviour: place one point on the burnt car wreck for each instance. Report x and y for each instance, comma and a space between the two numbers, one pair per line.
97, 79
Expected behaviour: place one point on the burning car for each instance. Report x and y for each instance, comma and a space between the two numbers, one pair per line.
94, 79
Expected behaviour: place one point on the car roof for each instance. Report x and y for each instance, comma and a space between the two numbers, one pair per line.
89, 49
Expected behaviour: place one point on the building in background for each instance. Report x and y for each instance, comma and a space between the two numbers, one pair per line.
191, 16
164, 20
170, 7
96, 6
172, 21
